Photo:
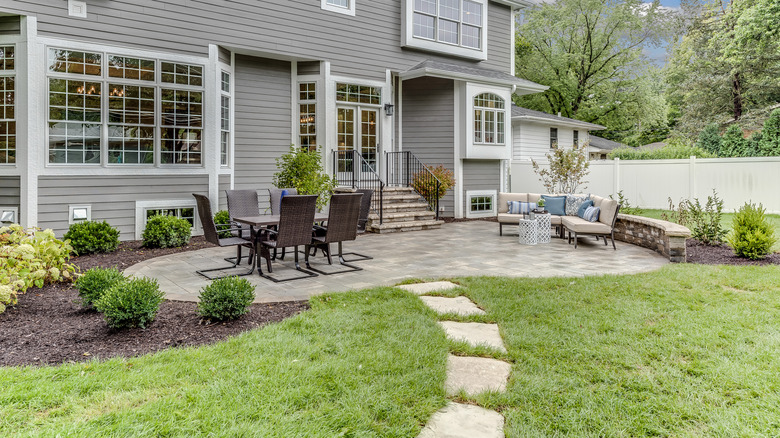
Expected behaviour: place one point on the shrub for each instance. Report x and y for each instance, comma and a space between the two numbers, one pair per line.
625, 205
703, 221
222, 217
31, 258
709, 139
752, 236
95, 282
734, 143
131, 303
676, 149
226, 298
568, 168
769, 143
303, 170
166, 231
426, 186
90, 237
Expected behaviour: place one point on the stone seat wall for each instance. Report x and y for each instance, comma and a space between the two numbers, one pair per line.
666, 238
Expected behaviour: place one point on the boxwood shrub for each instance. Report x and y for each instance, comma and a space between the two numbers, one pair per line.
222, 220
95, 282
131, 303
89, 237
166, 232
226, 298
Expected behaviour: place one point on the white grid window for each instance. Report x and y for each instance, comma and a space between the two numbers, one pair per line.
489, 116
130, 68
480, 203
224, 125
69, 61
180, 130
182, 74
307, 107
339, 3
74, 121
456, 22
576, 138
186, 213
7, 105
358, 94
130, 124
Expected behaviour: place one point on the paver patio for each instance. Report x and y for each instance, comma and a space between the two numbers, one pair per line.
457, 249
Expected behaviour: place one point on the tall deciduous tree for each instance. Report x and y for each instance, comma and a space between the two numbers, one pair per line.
590, 54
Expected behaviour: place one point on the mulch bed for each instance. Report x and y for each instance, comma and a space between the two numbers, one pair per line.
700, 253
49, 326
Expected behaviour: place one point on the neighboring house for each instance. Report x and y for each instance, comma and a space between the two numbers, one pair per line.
599, 148
536, 133
652, 146
117, 110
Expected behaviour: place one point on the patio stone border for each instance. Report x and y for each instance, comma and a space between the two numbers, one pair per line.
665, 238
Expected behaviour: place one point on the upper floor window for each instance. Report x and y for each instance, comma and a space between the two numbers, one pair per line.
7, 105
553, 138
576, 138
456, 27
341, 6
489, 119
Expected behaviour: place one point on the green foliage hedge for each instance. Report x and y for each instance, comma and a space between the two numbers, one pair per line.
95, 282
131, 303
669, 152
166, 232
89, 237
226, 298
752, 236
222, 221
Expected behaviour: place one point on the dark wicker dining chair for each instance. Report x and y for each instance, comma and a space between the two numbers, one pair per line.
275, 197
341, 226
211, 234
296, 218
365, 209
242, 203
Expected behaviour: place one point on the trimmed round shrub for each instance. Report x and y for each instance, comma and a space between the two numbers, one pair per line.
226, 298
131, 303
752, 236
89, 237
166, 232
95, 282
222, 217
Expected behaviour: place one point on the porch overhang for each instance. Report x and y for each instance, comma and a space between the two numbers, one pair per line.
472, 74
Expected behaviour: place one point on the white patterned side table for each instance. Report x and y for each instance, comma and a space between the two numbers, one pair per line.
543, 225
527, 231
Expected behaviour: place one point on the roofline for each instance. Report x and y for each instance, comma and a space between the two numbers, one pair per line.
515, 4
446, 74
569, 123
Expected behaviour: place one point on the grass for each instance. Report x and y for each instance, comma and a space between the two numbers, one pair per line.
357, 364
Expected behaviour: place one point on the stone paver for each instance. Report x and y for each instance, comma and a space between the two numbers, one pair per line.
458, 305
474, 333
457, 249
464, 421
476, 374
424, 288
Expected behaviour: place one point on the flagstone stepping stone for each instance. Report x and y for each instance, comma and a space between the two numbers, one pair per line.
476, 374
464, 421
474, 333
424, 288
459, 305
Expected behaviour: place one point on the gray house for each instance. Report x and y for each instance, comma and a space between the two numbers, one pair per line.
117, 110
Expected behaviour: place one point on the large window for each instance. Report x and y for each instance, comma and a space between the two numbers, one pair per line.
489, 116
358, 109
307, 106
145, 106
7, 105
456, 22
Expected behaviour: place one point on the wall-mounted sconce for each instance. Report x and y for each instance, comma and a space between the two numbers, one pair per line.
8, 215
79, 213
389, 109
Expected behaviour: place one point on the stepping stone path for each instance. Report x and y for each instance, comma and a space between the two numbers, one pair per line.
472, 375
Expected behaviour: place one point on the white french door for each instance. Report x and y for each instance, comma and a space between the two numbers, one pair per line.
358, 130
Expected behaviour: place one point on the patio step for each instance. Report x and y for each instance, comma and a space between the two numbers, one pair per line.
394, 227
406, 206
403, 216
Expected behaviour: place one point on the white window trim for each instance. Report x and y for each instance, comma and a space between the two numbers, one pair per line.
72, 221
222, 68
474, 193
5, 209
338, 9
494, 151
409, 40
142, 206
495, 121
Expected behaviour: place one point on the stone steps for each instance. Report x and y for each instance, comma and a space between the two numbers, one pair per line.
403, 216
403, 210
394, 227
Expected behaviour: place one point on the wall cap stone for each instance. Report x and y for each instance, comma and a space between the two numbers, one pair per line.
669, 228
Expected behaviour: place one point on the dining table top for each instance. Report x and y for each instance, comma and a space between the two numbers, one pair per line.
264, 220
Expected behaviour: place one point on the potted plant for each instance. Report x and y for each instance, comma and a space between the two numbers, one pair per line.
540, 206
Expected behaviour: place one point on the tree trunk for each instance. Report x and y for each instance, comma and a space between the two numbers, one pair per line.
736, 95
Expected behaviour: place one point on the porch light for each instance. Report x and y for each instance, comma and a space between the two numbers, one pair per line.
389, 109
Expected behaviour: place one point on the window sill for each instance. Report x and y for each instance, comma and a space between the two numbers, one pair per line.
445, 48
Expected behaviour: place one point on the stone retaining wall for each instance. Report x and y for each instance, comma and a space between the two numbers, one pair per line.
664, 237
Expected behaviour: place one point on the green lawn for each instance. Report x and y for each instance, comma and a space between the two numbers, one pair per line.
685, 351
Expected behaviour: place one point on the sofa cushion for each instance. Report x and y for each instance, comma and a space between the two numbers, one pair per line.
506, 218
583, 207
591, 214
573, 203
608, 211
582, 226
556, 205
520, 207
504, 197
534, 197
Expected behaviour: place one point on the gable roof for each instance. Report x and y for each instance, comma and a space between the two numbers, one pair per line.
469, 73
604, 144
520, 113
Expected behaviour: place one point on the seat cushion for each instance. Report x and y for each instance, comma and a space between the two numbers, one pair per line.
506, 218
582, 226
608, 211
555, 204
504, 197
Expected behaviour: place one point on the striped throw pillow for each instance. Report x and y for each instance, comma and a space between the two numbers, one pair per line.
520, 207
591, 214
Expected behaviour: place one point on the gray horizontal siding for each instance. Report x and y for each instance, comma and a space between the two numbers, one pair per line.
262, 123
429, 125
309, 68
112, 198
224, 184
480, 175
10, 26
364, 45
9, 191
224, 55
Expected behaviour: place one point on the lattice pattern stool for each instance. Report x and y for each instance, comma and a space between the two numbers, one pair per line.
543, 225
527, 232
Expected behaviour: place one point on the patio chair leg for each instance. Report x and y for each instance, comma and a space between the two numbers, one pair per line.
605, 240
612, 237
575, 239
235, 264
341, 262
297, 268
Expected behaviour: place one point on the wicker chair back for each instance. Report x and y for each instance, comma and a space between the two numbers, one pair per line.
242, 203
365, 209
276, 196
296, 219
343, 217
206, 219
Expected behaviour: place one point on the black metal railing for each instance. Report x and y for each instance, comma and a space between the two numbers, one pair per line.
351, 169
405, 169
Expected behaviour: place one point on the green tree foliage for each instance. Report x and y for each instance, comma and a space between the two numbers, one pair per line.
769, 144
734, 144
676, 149
303, 170
590, 54
709, 139
567, 169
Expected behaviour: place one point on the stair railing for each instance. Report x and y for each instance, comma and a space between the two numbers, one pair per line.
351, 169
405, 169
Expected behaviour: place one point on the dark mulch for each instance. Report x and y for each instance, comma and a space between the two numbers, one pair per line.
48, 326
449, 220
698, 252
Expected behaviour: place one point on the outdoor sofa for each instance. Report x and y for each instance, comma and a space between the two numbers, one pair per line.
569, 219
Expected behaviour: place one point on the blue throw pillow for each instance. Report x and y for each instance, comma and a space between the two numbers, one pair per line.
591, 214
520, 207
281, 196
555, 204
583, 207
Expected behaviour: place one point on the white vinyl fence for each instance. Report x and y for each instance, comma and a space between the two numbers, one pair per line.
650, 183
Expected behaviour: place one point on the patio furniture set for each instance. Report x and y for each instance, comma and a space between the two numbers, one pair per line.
571, 215
293, 223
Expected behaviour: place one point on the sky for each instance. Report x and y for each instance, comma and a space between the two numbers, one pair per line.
658, 54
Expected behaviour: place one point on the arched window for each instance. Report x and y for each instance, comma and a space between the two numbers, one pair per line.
488, 119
